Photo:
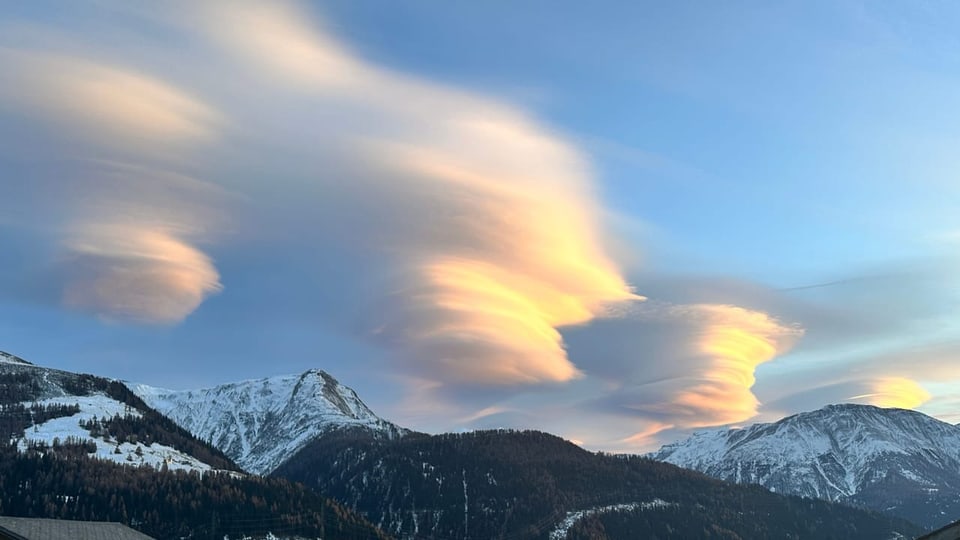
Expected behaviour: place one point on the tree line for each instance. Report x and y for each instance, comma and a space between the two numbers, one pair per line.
57, 482
521, 484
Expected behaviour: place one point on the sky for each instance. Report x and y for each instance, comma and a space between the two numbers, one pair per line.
619, 222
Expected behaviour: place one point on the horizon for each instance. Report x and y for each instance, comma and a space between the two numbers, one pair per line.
618, 224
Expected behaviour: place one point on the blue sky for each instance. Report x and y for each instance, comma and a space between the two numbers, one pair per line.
618, 222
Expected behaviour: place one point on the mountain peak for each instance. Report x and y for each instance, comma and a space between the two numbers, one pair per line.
319, 372
261, 422
846, 452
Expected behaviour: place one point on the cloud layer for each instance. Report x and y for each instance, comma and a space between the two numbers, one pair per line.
117, 106
459, 236
480, 222
733, 342
483, 219
681, 366
123, 218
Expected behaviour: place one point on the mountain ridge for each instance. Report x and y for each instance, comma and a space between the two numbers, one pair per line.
261, 422
899, 461
530, 484
8, 358
79, 446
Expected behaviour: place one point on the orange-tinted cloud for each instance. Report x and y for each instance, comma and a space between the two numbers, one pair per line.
117, 106
685, 366
483, 218
894, 392
121, 271
125, 216
279, 38
732, 342
915, 376
646, 436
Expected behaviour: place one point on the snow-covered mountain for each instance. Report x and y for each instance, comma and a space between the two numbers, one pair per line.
46, 407
79, 446
260, 423
7, 358
893, 460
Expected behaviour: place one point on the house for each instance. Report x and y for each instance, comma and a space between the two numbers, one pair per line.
13, 528
950, 532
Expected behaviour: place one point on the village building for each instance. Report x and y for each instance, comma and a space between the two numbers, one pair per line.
14, 528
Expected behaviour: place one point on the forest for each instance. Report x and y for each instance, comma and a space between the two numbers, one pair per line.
63, 481
521, 484
59, 482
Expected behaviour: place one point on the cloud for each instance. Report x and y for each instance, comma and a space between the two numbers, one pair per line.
915, 375
894, 392
866, 334
646, 436
279, 39
451, 233
810, 391
471, 230
117, 106
687, 365
460, 234
147, 275
128, 252
880, 391
734, 341
480, 222
105, 185
835, 312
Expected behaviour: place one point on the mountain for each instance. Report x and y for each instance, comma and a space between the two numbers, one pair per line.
319, 440
508, 484
7, 358
78, 446
898, 461
260, 423
41, 406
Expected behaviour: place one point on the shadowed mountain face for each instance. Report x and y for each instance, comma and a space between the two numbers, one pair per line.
897, 461
505, 484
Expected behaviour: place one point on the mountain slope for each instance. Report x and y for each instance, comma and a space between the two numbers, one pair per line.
898, 461
505, 484
41, 406
77, 446
61, 483
260, 423
7, 358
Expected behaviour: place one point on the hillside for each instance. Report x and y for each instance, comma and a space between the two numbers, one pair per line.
77, 446
504, 484
898, 461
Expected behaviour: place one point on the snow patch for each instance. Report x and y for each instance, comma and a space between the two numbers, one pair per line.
268, 536
104, 407
563, 528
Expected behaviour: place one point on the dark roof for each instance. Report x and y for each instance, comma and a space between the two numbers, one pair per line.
950, 532
57, 529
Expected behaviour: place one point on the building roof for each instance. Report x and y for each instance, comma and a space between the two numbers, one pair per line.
950, 532
57, 529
